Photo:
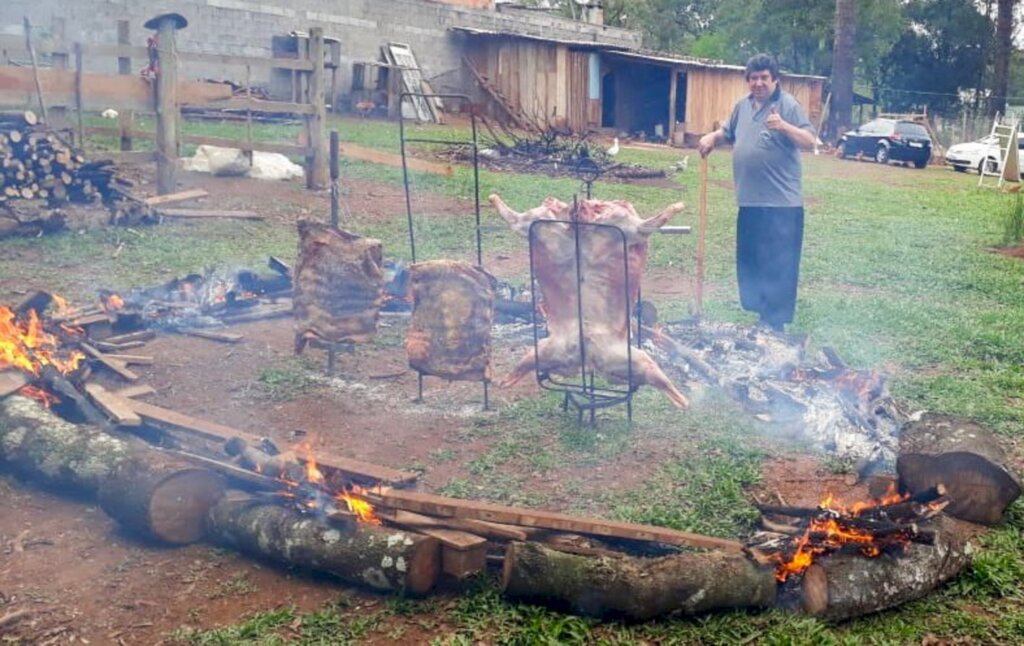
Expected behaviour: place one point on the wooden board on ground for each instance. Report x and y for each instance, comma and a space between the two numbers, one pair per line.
106, 346
454, 508
132, 359
209, 213
140, 390
131, 337
112, 405
453, 538
166, 419
224, 337
108, 363
362, 153
11, 381
181, 196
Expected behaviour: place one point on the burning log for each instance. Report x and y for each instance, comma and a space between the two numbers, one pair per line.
450, 330
603, 300
384, 559
842, 586
964, 457
637, 588
165, 498
338, 287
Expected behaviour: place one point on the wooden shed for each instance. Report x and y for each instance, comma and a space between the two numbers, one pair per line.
593, 86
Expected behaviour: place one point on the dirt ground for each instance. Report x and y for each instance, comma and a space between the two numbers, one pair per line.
82, 580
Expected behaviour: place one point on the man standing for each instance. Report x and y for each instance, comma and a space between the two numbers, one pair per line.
767, 129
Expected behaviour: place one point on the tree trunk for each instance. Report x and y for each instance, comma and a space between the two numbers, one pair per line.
383, 559
843, 57
637, 588
163, 499
842, 586
1001, 57
964, 457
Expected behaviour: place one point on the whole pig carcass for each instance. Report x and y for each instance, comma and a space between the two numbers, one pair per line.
450, 329
338, 287
605, 299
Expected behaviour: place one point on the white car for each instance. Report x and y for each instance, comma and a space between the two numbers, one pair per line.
973, 155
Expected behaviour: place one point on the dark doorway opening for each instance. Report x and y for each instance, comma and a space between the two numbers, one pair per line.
608, 101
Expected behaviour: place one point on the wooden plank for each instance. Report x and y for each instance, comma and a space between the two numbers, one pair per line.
180, 196
130, 156
462, 564
454, 538
210, 213
118, 347
291, 150
114, 366
132, 359
241, 103
212, 335
140, 390
374, 156
260, 314
11, 381
129, 337
171, 420
455, 508
112, 405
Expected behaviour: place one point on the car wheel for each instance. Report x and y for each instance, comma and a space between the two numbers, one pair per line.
921, 163
882, 155
960, 169
989, 165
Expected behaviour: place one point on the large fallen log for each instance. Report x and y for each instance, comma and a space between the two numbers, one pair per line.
638, 588
841, 586
380, 558
963, 456
161, 497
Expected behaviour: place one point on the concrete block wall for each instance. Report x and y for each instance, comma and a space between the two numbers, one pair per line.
245, 27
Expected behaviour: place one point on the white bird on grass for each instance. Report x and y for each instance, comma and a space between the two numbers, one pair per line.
614, 148
109, 113
681, 165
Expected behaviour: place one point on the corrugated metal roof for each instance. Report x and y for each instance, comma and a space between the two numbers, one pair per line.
623, 51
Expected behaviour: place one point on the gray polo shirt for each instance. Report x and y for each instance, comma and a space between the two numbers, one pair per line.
766, 163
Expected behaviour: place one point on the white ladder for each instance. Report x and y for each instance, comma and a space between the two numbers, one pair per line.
1005, 131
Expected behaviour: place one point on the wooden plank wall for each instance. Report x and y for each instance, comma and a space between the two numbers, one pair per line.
543, 80
712, 93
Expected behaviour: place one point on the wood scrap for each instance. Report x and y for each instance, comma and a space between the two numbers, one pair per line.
213, 335
131, 337
11, 381
140, 390
114, 366
112, 405
118, 347
209, 213
170, 198
132, 359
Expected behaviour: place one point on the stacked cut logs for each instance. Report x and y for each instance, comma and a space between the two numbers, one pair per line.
39, 172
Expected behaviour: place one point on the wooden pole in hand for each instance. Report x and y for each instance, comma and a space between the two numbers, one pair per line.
702, 205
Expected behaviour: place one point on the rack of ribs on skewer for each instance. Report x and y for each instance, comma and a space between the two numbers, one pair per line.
339, 286
605, 301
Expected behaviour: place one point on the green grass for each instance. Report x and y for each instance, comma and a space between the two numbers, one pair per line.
897, 275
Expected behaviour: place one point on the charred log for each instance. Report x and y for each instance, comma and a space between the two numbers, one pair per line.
635, 587
965, 458
380, 558
842, 586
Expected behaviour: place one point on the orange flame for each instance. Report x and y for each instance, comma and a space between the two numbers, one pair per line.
361, 508
112, 302
46, 398
25, 345
829, 535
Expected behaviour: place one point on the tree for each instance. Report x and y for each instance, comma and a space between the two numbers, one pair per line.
1001, 57
843, 51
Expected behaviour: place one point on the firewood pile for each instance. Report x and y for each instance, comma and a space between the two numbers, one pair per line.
40, 174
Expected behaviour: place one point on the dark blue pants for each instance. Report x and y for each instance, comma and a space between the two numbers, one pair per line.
768, 244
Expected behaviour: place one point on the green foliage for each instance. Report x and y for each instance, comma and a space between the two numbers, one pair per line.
1013, 231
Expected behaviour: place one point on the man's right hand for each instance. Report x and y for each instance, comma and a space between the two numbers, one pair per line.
707, 143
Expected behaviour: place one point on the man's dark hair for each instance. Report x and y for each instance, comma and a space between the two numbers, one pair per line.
761, 62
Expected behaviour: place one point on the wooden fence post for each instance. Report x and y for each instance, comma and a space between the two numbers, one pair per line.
317, 122
125, 118
166, 106
60, 62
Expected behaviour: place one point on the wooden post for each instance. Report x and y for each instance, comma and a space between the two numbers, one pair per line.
318, 120
125, 118
702, 205
248, 115
35, 69
60, 62
166, 107
673, 83
335, 172
78, 95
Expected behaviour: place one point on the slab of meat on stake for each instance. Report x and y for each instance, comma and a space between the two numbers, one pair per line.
605, 298
450, 329
339, 286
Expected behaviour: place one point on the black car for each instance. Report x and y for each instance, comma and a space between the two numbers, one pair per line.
888, 139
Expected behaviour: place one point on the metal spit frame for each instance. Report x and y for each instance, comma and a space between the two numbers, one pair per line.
474, 142
585, 395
